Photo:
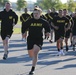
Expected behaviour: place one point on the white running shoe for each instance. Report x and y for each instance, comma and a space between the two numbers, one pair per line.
59, 53
62, 52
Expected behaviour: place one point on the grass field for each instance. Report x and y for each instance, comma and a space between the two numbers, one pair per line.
19, 13
17, 30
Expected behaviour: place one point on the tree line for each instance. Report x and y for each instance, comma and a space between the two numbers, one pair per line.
45, 4
20, 3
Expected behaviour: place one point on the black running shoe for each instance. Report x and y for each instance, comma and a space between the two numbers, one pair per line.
73, 47
71, 44
31, 73
50, 41
67, 48
5, 56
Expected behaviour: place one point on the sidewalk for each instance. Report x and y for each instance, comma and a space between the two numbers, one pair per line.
19, 63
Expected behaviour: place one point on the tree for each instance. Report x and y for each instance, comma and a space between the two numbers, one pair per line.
2, 2
71, 5
65, 6
46, 4
21, 4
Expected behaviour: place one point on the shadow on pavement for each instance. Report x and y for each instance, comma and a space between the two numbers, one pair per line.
18, 59
47, 52
67, 66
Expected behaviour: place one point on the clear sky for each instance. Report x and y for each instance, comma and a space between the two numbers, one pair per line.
64, 1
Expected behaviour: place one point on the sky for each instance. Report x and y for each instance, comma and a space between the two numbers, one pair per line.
63, 1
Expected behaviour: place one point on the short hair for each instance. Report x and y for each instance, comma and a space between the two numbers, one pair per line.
8, 3
38, 9
25, 8
64, 9
53, 9
60, 9
36, 6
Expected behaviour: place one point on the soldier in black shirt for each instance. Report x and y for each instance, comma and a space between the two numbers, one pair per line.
69, 32
74, 31
52, 14
35, 36
59, 24
23, 18
8, 19
49, 19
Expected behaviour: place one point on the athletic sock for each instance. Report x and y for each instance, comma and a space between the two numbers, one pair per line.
61, 47
58, 50
33, 68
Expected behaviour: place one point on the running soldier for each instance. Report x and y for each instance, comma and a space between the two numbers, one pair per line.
8, 20
59, 24
52, 15
74, 32
35, 36
49, 18
23, 18
68, 33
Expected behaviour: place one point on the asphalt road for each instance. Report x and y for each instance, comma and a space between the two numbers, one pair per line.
19, 63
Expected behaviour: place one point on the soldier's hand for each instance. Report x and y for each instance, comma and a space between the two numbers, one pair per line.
13, 24
24, 35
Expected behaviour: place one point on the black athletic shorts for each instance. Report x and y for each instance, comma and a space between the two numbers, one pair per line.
59, 35
67, 34
5, 33
22, 28
32, 41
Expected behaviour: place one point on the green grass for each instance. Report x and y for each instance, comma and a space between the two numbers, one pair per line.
17, 30
19, 14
